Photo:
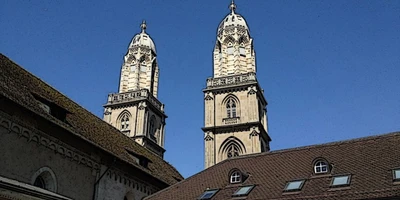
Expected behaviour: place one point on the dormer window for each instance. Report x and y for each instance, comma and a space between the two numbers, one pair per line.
321, 166
236, 177
45, 107
51, 108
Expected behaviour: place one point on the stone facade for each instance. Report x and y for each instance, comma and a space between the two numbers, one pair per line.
236, 120
51, 148
28, 153
135, 110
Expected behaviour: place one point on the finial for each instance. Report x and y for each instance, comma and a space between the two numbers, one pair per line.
232, 7
143, 26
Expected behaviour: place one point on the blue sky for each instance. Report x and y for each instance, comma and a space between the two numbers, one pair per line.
330, 69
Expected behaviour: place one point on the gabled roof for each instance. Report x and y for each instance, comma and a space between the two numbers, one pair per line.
23, 88
369, 161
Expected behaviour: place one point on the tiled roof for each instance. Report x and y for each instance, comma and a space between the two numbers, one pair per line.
369, 161
19, 86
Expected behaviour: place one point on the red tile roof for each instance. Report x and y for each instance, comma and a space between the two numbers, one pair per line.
369, 161
20, 86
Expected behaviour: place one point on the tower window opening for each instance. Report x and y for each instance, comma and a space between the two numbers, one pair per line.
152, 129
231, 108
230, 50
143, 68
125, 123
242, 51
233, 151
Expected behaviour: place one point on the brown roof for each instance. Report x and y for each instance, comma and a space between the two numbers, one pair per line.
369, 161
20, 86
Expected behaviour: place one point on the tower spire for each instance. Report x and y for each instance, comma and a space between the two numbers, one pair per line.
143, 26
232, 7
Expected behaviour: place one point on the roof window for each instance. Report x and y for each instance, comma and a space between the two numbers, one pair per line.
243, 191
138, 159
294, 185
338, 181
396, 175
208, 194
51, 108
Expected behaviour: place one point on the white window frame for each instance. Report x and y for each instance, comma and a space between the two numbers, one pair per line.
319, 166
236, 177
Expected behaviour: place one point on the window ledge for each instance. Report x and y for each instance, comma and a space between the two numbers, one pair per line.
338, 188
232, 120
291, 192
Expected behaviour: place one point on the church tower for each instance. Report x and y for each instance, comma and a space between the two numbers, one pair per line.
135, 109
236, 120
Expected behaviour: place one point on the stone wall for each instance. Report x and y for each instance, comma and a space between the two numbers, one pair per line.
24, 152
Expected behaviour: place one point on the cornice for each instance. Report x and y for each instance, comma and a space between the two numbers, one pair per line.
238, 127
120, 177
40, 138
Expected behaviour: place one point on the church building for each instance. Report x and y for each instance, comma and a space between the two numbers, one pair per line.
236, 120
135, 109
51, 148
238, 162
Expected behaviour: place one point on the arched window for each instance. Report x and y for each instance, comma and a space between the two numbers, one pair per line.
231, 147
123, 121
321, 167
152, 128
231, 108
45, 178
39, 182
236, 177
233, 151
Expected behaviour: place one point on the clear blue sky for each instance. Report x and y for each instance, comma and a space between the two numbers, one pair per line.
330, 69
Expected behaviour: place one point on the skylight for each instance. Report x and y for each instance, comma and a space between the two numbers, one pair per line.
243, 191
341, 180
208, 194
396, 174
294, 185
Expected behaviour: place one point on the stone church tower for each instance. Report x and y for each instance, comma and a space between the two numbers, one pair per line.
236, 120
135, 109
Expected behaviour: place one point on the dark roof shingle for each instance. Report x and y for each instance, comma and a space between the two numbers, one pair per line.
369, 161
20, 86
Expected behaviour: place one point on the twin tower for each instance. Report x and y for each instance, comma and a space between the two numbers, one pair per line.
235, 121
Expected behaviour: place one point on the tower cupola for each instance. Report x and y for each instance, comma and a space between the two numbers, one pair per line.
140, 69
143, 40
233, 53
231, 21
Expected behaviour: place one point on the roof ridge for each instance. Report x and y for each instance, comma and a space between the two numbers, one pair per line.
346, 141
